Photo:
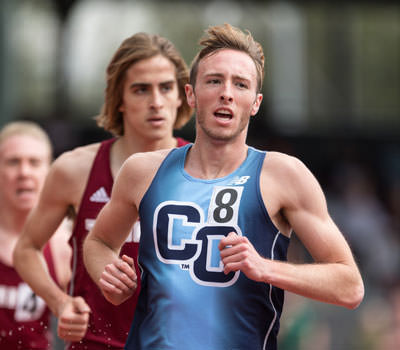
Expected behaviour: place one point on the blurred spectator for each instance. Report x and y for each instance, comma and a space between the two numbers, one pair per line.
365, 222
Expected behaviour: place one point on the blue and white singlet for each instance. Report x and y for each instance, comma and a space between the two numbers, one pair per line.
186, 301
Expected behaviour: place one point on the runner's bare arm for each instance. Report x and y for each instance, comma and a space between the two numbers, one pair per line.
334, 277
62, 190
115, 276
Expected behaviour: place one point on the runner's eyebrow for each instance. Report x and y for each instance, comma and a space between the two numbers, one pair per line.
142, 84
220, 75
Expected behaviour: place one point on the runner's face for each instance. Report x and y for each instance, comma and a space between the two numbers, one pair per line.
150, 99
225, 95
24, 163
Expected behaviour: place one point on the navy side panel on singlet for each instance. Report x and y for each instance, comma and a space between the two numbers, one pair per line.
186, 300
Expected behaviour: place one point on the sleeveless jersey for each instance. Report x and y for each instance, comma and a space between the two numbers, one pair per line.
24, 317
108, 324
186, 300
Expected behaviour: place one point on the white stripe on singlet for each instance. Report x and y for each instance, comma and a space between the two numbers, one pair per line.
270, 296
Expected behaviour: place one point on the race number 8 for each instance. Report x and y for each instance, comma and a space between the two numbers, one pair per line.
224, 205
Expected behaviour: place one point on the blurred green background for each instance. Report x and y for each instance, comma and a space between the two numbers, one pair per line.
331, 98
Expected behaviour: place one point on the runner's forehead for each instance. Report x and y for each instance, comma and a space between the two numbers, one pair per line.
228, 62
24, 146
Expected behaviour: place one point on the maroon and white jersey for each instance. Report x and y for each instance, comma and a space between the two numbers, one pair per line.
109, 325
24, 317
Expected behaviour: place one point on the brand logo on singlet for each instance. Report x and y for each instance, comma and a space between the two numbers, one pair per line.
27, 305
100, 196
185, 236
239, 180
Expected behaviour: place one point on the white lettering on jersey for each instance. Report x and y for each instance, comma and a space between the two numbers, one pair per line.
134, 235
27, 305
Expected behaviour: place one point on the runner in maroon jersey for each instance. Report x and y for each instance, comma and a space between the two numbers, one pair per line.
25, 155
24, 317
144, 102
